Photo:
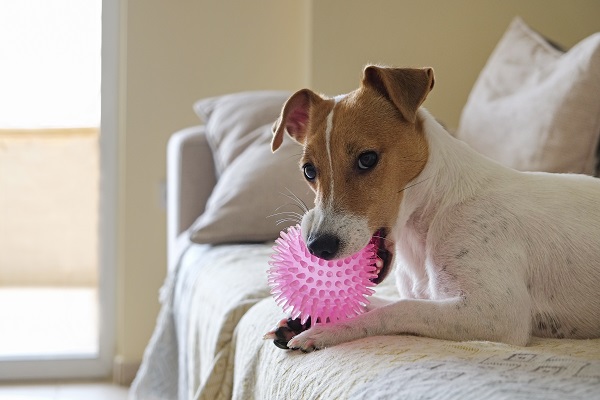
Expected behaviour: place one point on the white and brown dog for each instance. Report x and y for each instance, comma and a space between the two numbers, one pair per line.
481, 252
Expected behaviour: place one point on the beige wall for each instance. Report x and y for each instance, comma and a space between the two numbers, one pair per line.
454, 37
177, 52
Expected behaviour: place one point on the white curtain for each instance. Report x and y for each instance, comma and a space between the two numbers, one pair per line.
49, 63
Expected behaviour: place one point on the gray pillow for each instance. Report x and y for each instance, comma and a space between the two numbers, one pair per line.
253, 183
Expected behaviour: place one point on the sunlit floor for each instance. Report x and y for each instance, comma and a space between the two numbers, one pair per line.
48, 321
64, 391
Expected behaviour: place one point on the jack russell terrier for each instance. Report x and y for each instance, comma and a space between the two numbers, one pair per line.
481, 251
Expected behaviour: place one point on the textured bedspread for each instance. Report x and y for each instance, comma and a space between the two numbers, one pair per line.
216, 307
202, 301
409, 367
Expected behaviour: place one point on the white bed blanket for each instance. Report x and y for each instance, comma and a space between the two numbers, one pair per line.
409, 367
216, 307
202, 302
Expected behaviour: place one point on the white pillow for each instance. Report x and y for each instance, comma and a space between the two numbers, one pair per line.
534, 107
253, 182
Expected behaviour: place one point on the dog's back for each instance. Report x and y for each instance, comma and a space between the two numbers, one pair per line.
541, 229
557, 221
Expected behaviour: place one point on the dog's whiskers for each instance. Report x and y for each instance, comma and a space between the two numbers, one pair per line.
383, 238
285, 220
414, 184
297, 200
290, 216
287, 216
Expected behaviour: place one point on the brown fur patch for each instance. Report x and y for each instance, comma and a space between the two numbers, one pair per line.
365, 121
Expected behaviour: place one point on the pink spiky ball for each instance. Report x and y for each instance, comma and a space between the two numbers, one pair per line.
327, 291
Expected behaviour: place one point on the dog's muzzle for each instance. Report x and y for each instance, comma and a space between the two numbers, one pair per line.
327, 247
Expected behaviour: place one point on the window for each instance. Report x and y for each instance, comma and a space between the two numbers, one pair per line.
50, 94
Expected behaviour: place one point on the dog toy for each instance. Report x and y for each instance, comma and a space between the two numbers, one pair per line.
326, 291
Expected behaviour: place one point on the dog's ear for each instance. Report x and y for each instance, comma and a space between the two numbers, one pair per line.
407, 88
294, 118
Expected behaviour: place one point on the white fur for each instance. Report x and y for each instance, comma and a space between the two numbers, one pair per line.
328, 129
483, 252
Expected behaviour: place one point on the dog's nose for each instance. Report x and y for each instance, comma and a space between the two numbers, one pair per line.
324, 246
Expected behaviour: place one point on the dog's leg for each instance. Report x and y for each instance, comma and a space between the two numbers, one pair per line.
378, 302
459, 318
288, 328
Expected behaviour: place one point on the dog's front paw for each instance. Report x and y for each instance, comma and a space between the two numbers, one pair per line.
317, 337
285, 330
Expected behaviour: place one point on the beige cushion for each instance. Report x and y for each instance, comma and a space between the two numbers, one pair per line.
535, 108
231, 121
253, 182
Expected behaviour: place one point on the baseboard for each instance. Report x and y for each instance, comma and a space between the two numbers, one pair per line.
124, 371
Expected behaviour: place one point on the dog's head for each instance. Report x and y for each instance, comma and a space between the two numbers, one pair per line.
359, 152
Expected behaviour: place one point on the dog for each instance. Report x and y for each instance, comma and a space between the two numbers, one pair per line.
480, 251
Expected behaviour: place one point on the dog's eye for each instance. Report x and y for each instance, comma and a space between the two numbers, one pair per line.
367, 160
310, 172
